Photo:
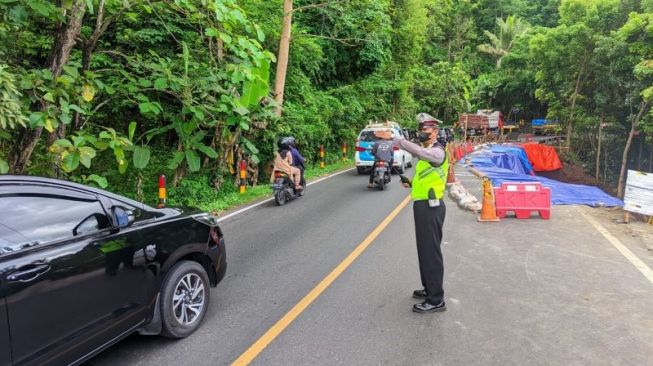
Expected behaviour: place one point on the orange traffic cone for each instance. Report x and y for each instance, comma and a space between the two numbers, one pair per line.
451, 177
488, 211
451, 152
469, 148
459, 152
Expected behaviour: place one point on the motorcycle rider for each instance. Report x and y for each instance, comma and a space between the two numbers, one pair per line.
297, 158
283, 162
382, 151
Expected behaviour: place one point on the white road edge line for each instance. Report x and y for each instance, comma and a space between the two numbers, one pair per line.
270, 199
638, 263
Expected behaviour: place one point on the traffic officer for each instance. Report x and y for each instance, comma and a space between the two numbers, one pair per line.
428, 186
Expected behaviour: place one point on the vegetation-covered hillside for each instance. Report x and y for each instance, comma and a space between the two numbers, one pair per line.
115, 92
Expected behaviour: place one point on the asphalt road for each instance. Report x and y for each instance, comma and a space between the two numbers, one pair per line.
519, 292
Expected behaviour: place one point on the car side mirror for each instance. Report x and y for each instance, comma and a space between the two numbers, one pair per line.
122, 218
88, 225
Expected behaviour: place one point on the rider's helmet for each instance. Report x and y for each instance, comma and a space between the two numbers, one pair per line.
291, 141
283, 143
442, 136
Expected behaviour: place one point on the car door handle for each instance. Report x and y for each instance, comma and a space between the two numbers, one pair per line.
29, 274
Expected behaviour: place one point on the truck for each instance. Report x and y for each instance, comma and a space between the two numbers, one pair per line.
545, 127
484, 120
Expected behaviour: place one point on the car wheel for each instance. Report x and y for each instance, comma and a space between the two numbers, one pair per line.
185, 298
360, 170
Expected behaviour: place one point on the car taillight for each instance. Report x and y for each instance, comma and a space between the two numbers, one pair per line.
360, 149
395, 148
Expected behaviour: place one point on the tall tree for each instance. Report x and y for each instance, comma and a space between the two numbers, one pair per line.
509, 31
638, 33
563, 56
66, 37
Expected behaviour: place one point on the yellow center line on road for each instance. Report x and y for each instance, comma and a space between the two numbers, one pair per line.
638, 263
250, 354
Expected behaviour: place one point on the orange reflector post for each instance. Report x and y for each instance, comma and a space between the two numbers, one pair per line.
243, 175
162, 191
344, 151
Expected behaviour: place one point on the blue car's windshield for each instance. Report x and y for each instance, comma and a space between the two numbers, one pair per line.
367, 136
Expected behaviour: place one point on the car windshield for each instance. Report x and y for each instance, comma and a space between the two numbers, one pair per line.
367, 136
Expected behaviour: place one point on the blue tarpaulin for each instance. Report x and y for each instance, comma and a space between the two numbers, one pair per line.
516, 151
542, 122
500, 160
504, 169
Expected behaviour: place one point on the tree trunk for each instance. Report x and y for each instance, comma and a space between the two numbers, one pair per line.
181, 169
605, 165
624, 158
88, 47
639, 156
650, 160
570, 122
598, 148
65, 40
67, 37
282, 59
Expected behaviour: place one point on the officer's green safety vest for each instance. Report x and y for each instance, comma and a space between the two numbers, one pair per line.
427, 176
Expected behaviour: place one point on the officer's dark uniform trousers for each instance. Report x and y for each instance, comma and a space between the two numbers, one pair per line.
428, 231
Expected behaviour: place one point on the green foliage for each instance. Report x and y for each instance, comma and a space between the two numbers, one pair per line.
182, 87
500, 44
10, 110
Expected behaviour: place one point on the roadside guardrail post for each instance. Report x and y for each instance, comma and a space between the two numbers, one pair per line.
162, 191
322, 156
243, 176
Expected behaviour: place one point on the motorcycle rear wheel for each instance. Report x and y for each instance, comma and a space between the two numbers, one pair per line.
280, 197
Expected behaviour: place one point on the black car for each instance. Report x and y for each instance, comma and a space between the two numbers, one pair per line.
81, 268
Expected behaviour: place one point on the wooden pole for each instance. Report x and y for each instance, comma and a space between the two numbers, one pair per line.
282, 60
641, 148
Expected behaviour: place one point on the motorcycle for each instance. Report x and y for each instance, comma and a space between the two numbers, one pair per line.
284, 189
381, 174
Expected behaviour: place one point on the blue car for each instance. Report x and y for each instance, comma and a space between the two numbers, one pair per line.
366, 138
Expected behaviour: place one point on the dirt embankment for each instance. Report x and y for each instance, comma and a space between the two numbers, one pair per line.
571, 173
